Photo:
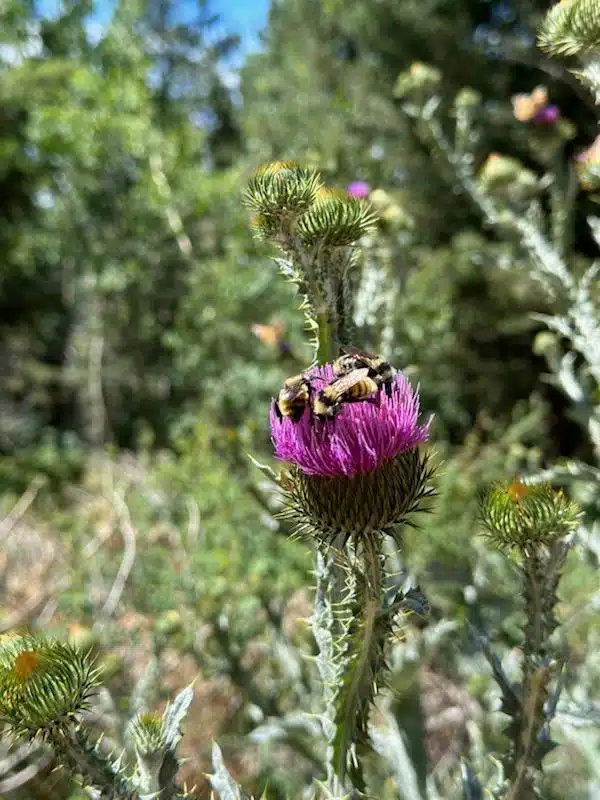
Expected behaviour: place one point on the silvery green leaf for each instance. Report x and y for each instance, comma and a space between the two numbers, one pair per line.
221, 781
174, 715
389, 744
264, 468
594, 223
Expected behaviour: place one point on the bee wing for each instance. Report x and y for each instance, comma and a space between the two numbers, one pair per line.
370, 359
338, 388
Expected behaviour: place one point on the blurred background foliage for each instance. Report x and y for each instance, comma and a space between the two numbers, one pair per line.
143, 331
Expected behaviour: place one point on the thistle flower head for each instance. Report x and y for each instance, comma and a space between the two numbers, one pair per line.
587, 166
44, 684
358, 189
571, 27
420, 79
280, 189
518, 514
547, 115
361, 437
335, 218
147, 733
356, 474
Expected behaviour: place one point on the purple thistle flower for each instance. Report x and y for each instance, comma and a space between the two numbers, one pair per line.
360, 439
547, 115
359, 189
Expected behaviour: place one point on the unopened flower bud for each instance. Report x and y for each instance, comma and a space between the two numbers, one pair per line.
518, 514
44, 684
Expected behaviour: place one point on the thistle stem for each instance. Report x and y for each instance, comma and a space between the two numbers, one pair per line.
73, 750
365, 642
326, 348
532, 715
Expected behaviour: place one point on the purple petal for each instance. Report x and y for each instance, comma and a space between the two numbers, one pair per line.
361, 436
359, 189
547, 116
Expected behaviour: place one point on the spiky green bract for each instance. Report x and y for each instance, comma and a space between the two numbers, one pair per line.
44, 684
147, 733
518, 515
363, 660
339, 508
336, 219
279, 192
571, 27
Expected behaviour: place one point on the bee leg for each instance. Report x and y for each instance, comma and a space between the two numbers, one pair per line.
388, 389
278, 411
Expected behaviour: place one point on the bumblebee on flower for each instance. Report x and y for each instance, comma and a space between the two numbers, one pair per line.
358, 471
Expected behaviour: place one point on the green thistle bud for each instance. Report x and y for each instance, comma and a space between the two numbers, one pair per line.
587, 167
147, 734
420, 79
336, 218
518, 515
507, 176
467, 98
571, 27
331, 508
168, 623
280, 190
44, 684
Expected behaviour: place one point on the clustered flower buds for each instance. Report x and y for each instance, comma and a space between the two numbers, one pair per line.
317, 229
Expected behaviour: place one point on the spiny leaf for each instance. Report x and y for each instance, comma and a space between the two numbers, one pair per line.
363, 662
221, 781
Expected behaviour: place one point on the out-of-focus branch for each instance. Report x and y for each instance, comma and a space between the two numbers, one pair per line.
20, 508
173, 216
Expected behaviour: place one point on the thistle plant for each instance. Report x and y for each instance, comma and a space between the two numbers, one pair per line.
534, 525
349, 486
347, 483
46, 687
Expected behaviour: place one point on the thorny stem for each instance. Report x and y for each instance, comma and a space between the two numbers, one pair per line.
364, 664
73, 749
541, 572
535, 694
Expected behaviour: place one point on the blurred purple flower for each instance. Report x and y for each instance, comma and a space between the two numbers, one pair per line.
361, 437
546, 116
359, 189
